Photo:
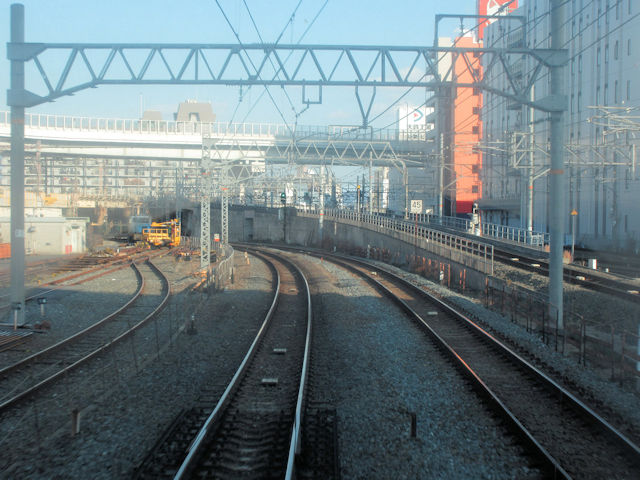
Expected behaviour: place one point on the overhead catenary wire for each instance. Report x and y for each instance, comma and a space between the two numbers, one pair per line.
288, 56
275, 104
262, 41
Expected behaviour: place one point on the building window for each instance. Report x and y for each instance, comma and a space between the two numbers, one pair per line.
580, 64
605, 97
599, 14
579, 101
617, 9
474, 189
606, 54
628, 47
572, 100
615, 50
475, 129
615, 92
598, 95
598, 57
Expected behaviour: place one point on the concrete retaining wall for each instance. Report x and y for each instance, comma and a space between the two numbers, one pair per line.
287, 226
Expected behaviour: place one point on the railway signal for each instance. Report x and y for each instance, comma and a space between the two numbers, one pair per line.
283, 198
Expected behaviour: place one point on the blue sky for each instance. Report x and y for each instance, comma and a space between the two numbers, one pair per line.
356, 22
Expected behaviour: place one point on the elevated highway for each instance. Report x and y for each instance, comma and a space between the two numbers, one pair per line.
130, 139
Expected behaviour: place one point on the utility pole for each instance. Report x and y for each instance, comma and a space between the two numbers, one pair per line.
17, 169
556, 198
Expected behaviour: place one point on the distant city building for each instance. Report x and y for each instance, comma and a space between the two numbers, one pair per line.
152, 115
601, 81
194, 111
462, 186
389, 190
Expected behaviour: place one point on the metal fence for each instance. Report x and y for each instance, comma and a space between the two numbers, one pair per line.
472, 253
491, 230
224, 271
612, 350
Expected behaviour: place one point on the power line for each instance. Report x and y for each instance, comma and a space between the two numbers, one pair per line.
270, 59
289, 55
251, 61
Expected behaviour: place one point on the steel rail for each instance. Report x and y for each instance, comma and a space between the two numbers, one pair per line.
608, 286
552, 464
25, 393
294, 444
294, 447
117, 263
567, 396
217, 412
583, 409
81, 333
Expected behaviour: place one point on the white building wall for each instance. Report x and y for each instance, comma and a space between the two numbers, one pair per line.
602, 37
51, 235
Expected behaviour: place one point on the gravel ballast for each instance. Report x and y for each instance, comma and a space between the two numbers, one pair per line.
623, 403
376, 367
123, 408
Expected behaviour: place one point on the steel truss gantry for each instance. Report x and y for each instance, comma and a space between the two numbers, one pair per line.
205, 229
89, 65
310, 152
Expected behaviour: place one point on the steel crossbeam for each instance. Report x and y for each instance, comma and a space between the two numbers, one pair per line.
307, 151
90, 65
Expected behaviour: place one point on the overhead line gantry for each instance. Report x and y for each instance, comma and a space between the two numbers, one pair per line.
248, 64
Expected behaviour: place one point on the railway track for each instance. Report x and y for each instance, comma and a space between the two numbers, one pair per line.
29, 375
61, 265
564, 437
253, 429
88, 271
581, 277
620, 288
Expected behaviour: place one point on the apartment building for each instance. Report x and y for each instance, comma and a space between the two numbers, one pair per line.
602, 183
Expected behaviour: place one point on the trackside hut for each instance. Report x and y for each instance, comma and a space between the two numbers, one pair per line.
51, 235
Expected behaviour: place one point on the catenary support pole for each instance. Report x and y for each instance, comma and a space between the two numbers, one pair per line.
556, 198
441, 178
530, 170
15, 95
321, 219
205, 229
405, 181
